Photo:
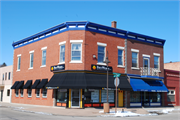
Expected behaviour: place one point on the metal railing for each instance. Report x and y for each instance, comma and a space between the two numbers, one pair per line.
149, 71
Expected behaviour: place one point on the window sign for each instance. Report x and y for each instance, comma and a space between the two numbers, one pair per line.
95, 96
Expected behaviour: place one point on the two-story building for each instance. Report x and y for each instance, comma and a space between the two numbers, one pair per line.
5, 83
64, 66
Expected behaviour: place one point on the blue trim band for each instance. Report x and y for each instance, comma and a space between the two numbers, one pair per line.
88, 26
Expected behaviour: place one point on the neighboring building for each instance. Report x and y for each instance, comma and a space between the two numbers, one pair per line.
63, 66
172, 81
5, 83
172, 66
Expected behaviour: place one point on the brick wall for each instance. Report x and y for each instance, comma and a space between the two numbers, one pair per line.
144, 48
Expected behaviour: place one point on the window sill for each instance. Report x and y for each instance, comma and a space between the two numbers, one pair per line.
37, 96
17, 70
30, 68
75, 62
61, 63
29, 96
42, 66
121, 66
134, 68
101, 63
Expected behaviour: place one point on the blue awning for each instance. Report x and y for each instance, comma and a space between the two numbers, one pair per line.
148, 85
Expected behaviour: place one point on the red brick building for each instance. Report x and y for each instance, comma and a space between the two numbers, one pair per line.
63, 66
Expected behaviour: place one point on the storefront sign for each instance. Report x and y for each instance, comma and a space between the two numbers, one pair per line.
57, 67
101, 68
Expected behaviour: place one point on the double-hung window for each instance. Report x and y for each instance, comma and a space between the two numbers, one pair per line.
43, 64
44, 93
135, 59
21, 91
9, 76
76, 51
29, 92
37, 92
120, 56
101, 52
31, 59
62, 52
19, 62
17, 92
156, 61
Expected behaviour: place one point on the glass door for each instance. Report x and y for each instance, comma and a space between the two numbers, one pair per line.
145, 99
146, 70
75, 97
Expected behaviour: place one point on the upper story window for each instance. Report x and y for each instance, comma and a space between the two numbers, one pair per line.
120, 56
43, 64
135, 59
62, 52
19, 62
3, 77
31, 59
9, 76
76, 51
6, 76
101, 52
156, 61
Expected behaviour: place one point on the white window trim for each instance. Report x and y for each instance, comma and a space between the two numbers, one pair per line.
36, 93
156, 54
137, 51
61, 43
101, 44
134, 50
18, 62
44, 48
121, 48
101, 63
144, 55
31, 51
76, 42
30, 59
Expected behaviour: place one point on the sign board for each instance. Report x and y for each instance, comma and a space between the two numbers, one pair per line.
117, 81
101, 68
116, 74
57, 67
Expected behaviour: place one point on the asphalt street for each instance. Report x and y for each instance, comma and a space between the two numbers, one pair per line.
7, 113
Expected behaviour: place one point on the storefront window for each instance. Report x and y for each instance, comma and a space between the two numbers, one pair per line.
155, 97
135, 96
110, 96
91, 96
62, 95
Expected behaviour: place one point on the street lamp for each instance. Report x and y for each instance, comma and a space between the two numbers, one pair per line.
106, 105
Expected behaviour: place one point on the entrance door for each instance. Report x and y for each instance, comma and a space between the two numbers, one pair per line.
146, 70
75, 97
1, 95
145, 99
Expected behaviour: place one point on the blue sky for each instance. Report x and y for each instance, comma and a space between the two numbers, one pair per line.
20, 19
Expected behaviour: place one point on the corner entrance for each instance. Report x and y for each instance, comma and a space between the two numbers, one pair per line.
75, 98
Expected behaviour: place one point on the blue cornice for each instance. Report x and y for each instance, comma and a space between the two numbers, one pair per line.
88, 26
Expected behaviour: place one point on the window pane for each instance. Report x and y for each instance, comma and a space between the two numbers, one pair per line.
62, 53
37, 92
19, 62
62, 95
135, 96
31, 61
44, 92
101, 54
9, 75
156, 62
171, 98
134, 59
76, 52
44, 57
120, 59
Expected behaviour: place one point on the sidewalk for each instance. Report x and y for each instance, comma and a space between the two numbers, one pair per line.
74, 112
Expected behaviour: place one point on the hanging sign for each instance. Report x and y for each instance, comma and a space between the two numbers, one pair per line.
101, 68
57, 67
